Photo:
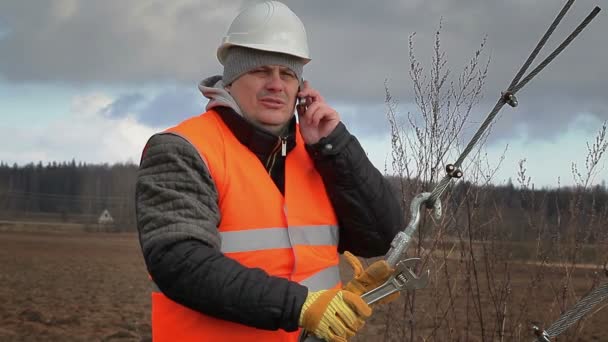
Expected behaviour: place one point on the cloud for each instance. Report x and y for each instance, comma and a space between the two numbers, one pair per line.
162, 109
367, 120
87, 133
3, 30
171, 106
111, 41
123, 106
355, 46
550, 161
84, 134
547, 162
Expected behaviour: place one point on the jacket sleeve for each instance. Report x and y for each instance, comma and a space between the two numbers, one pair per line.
364, 201
177, 219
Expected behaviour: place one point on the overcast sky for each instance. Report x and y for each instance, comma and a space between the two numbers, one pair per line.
92, 80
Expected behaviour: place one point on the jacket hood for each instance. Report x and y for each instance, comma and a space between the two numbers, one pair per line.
213, 89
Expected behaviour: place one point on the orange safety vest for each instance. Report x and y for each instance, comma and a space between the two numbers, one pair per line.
294, 236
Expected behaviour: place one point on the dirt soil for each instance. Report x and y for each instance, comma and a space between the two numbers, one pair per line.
76, 286
73, 287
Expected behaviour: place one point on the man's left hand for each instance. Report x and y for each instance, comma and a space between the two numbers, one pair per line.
320, 119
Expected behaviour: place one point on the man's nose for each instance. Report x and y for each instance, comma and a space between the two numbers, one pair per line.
274, 81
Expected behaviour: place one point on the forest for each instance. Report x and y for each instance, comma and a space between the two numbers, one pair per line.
80, 192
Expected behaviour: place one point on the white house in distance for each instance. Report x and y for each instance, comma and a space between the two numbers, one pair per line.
105, 218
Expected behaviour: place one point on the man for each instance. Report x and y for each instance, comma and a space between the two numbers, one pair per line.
239, 209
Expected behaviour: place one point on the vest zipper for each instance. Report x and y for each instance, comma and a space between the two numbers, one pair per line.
281, 144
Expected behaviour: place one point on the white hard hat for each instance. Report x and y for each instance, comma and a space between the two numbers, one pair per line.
269, 26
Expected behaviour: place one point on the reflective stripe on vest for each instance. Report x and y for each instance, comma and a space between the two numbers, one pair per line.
269, 238
325, 279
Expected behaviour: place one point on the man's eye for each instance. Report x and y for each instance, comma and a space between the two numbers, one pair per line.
289, 74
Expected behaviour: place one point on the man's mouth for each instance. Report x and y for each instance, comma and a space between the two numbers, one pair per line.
272, 102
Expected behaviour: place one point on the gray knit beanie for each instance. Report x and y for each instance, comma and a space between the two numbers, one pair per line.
240, 60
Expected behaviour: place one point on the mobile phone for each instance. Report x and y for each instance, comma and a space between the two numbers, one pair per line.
302, 105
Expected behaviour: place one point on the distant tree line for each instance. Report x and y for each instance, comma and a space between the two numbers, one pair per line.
79, 192
552, 212
68, 191
523, 212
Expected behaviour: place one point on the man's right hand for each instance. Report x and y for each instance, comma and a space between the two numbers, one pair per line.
319, 119
334, 315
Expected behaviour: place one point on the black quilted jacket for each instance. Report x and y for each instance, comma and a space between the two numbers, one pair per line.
177, 218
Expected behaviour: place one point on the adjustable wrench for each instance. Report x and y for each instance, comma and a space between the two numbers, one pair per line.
403, 278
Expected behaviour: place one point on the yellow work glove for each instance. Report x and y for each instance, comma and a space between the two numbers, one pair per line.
333, 315
370, 278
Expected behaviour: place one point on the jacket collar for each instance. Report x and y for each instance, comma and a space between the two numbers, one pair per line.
256, 139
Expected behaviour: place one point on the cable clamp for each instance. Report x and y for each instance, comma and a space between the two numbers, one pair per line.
452, 171
509, 98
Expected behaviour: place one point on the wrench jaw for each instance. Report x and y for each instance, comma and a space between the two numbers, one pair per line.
406, 264
419, 283
402, 279
404, 270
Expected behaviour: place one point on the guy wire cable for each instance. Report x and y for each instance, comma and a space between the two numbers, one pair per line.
572, 315
578, 310
508, 96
